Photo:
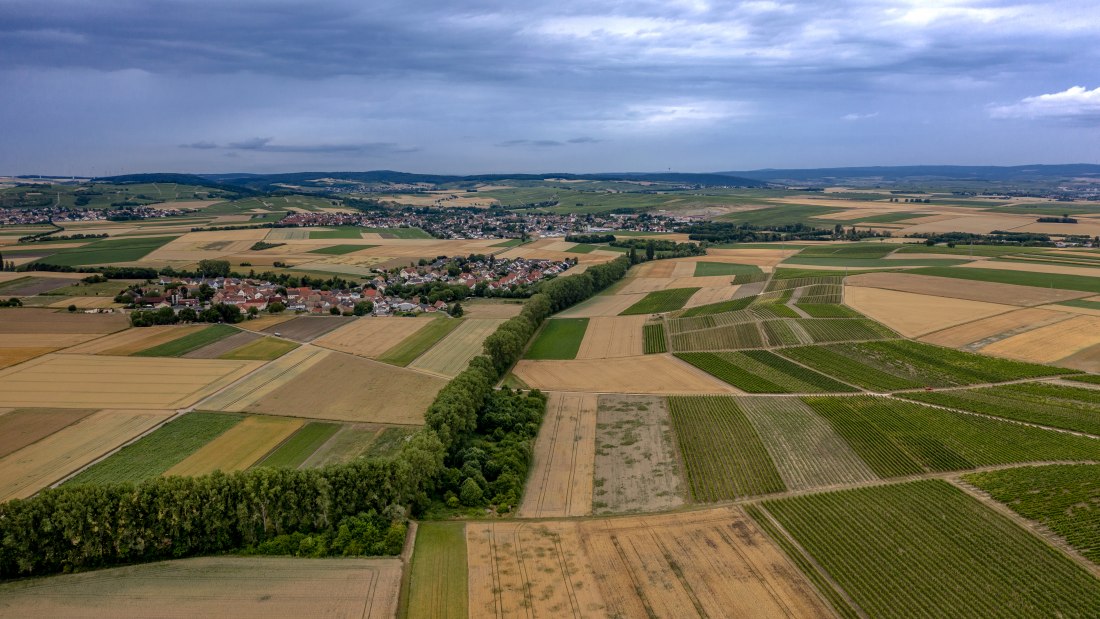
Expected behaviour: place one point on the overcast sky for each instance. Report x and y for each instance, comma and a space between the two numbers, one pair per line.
468, 86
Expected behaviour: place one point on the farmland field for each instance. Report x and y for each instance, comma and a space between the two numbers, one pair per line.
654, 336
896, 437
974, 290
560, 482
706, 269
805, 449
1057, 281
108, 251
558, 339
914, 315
453, 353
221, 347
612, 336
307, 328
945, 554
716, 308
339, 250
300, 446
437, 576
1061, 497
25, 320
159, 450
760, 371
253, 587
25, 426
655, 374
189, 343
724, 457
352, 441
28, 470
116, 382
264, 349
1056, 406
636, 466
661, 301
373, 336
412, 346
238, 447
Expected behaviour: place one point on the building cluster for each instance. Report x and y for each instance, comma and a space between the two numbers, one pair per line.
61, 214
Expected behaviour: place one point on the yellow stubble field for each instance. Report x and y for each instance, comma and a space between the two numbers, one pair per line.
652, 374
562, 468
913, 315
239, 447
612, 336
371, 337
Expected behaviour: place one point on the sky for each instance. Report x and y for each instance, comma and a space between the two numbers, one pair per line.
476, 86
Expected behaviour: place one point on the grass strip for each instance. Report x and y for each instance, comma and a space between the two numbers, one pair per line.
188, 343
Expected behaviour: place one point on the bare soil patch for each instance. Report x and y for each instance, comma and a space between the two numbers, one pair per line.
655, 374
706, 296
989, 292
346, 388
246, 587
637, 468
560, 483
308, 328
913, 314
612, 336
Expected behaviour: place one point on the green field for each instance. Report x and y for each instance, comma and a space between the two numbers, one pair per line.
582, 248
761, 371
927, 549
732, 337
861, 263
188, 343
160, 450
661, 301
437, 578
782, 215
723, 455
301, 445
265, 349
1019, 278
654, 335
1056, 406
101, 289
340, 250
896, 437
844, 330
1065, 498
1095, 305
865, 251
416, 344
901, 364
399, 233
828, 310
559, 338
706, 269
107, 251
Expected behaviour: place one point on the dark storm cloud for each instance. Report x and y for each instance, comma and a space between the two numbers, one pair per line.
696, 81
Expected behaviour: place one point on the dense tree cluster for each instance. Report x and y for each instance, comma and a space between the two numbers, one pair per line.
997, 237
219, 312
590, 238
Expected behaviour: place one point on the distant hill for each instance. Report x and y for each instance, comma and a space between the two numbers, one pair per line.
179, 179
924, 172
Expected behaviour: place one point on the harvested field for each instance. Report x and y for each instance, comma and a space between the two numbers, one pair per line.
485, 309
345, 388
258, 384
223, 346
239, 447
370, 337
989, 292
22, 320
637, 468
713, 563
976, 334
805, 449
253, 587
1032, 267
15, 356
307, 328
560, 483
453, 353
116, 382
264, 349
1050, 343
706, 296
264, 322
134, 340
1087, 359
50, 340
601, 305
410, 348
656, 374
28, 470
31, 286
655, 268
612, 336
24, 426
635, 285
85, 302
913, 315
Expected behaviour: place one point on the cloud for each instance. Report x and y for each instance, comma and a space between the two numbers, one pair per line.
201, 145
854, 116
266, 145
584, 140
535, 143
1072, 104
250, 144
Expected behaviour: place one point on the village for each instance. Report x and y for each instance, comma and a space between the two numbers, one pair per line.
435, 286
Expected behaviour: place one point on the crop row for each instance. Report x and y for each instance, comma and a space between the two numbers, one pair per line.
761, 371
661, 301
799, 282
723, 455
826, 310
733, 337
845, 363
654, 336
717, 308
845, 330
1064, 498
784, 333
1048, 405
897, 437
926, 549
822, 293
